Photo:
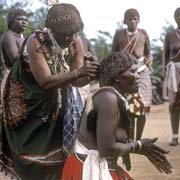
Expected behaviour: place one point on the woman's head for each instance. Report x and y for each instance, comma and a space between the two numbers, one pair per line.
177, 16
12, 16
114, 66
64, 21
131, 19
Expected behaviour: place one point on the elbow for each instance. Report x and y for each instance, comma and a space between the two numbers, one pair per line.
107, 152
45, 85
14, 59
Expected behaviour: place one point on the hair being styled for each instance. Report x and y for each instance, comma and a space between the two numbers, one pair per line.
12, 14
113, 65
64, 19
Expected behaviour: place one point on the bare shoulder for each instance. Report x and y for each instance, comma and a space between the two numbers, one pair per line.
105, 98
120, 31
171, 34
8, 36
143, 31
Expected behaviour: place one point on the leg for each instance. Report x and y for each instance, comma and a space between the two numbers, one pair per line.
174, 117
141, 120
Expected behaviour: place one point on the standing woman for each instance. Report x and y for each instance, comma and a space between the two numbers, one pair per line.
41, 112
171, 63
136, 42
11, 41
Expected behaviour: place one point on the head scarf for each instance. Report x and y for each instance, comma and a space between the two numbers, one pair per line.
12, 14
131, 13
64, 19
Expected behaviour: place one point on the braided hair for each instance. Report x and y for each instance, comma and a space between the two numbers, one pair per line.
113, 65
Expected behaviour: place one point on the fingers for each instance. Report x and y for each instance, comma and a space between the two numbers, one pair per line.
157, 148
91, 69
163, 166
153, 140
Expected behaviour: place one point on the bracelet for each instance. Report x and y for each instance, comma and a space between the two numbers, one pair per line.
75, 72
133, 147
139, 144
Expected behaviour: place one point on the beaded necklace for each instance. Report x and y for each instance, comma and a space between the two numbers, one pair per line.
132, 40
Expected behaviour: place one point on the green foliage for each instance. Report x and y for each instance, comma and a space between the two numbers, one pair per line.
102, 44
36, 19
157, 49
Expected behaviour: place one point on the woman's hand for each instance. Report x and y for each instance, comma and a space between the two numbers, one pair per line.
90, 70
89, 56
155, 154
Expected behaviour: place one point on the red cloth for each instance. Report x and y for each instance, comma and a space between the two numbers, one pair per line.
73, 171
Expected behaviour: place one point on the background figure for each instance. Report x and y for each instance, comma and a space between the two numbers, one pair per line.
42, 107
171, 64
11, 41
90, 53
136, 42
104, 128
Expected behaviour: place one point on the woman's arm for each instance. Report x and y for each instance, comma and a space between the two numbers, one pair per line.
41, 70
42, 73
106, 105
12, 46
79, 60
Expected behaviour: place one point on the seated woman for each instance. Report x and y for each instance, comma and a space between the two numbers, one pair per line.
103, 134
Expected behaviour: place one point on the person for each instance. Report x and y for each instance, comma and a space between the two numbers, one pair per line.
42, 104
11, 41
89, 53
104, 127
136, 42
171, 64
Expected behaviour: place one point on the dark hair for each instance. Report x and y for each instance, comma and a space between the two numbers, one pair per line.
64, 19
113, 65
176, 13
12, 14
129, 13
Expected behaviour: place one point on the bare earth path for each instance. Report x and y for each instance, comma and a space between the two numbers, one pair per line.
158, 125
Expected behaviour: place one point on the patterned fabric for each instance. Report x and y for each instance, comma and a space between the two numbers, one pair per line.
74, 166
31, 132
132, 43
145, 88
72, 114
135, 104
174, 97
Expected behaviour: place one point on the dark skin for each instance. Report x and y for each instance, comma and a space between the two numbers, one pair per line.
172, 45
12, 40
42, 73
172, 53
109, 130
142, 48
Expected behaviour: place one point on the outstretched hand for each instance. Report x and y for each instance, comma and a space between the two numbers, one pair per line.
156, 155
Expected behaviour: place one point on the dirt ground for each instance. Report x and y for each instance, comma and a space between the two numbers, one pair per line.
158, 125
